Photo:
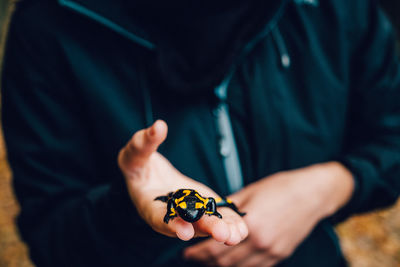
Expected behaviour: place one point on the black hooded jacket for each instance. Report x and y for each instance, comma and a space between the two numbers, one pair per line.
312, 81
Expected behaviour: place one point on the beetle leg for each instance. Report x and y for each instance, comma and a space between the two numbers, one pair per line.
211, 208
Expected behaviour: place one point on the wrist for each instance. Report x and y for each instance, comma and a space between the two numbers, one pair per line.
336, 188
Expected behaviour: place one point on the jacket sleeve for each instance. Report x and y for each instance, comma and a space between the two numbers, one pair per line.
67, 217
373, 140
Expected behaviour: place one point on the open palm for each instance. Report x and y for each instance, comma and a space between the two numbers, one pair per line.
148, 175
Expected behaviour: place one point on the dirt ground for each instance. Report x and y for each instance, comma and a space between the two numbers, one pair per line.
13, 253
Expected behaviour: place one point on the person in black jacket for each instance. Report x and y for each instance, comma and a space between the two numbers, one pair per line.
288, 107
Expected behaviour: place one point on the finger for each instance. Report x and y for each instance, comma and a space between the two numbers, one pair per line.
182, 229
234, 237
243, 230
205, 251
237, 226
143, 143
257, 259
241, 226
214, 227
175, 228
233, 255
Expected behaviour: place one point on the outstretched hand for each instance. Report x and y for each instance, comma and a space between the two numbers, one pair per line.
149, 175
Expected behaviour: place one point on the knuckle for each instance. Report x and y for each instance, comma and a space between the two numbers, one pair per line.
274, 252
287, 253
272, 263
222, 262
243, 230
250, 219
252, 223
235, 238
133, 144
279, 253
212, 253
261, 243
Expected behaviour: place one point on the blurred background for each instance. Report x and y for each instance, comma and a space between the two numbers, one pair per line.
371, 240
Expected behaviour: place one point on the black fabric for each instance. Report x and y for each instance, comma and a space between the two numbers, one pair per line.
75, 90
198, 42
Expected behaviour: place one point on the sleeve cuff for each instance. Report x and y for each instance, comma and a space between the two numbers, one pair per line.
370, 190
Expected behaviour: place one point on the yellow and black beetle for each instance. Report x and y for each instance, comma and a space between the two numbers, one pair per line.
190, 205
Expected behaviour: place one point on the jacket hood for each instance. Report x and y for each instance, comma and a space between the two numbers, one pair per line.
196, 44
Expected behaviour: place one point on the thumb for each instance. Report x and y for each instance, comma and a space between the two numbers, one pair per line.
142, 145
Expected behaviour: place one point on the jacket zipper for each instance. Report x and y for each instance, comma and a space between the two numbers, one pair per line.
227, 144
226, 139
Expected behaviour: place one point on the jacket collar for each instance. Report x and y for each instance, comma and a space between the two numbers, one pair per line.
117, 18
